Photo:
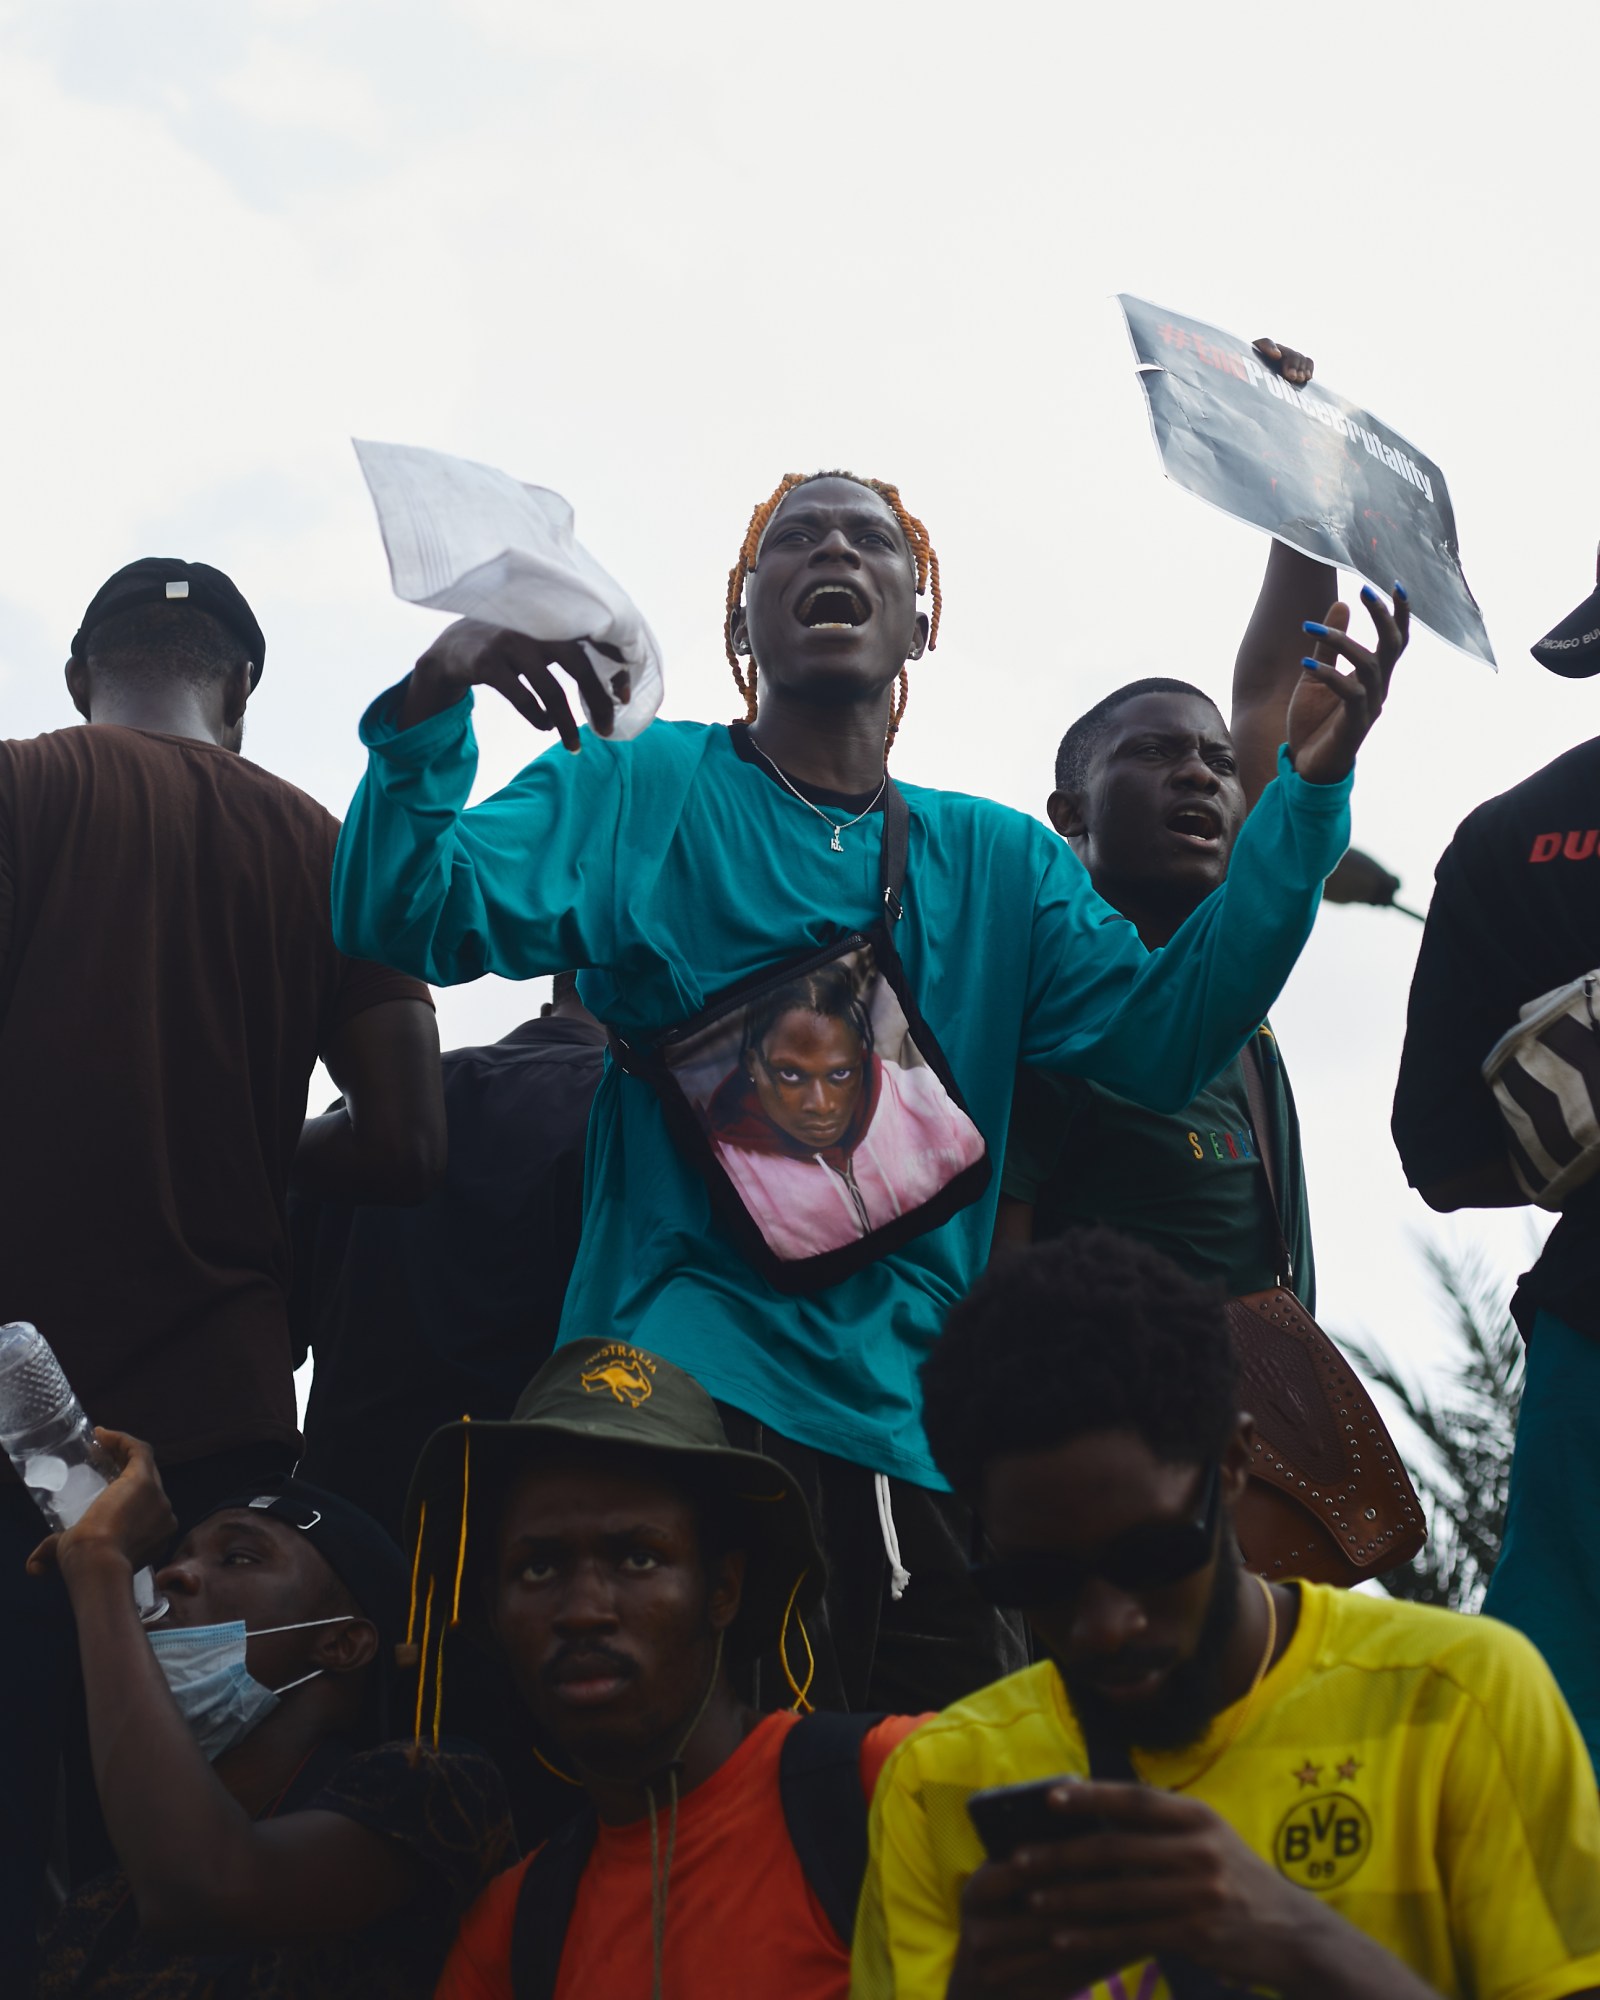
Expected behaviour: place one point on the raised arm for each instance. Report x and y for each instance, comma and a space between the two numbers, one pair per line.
199, 1867
1156, 1026
521, 884
1267, 670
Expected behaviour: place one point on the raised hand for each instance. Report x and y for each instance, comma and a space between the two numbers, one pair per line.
1332, 711
470, 653
1295, 368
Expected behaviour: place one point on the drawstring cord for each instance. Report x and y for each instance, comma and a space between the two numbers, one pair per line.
660, 1876
661, 1870
899, 1575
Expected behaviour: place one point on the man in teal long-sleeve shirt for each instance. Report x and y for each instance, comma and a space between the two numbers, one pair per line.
672, 866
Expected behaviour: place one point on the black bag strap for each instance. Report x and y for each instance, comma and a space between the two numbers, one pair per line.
1255, 1090
896, 844
544, 1906
1109, 1763
825, 1810
892, 852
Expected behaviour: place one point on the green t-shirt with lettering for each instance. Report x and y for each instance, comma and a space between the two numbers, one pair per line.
1189, 1183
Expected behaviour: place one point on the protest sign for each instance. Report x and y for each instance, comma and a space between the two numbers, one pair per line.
1315, 471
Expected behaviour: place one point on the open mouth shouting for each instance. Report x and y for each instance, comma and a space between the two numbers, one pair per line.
1197, 822
833, 607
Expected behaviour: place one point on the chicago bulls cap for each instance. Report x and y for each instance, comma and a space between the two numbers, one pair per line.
1572, 648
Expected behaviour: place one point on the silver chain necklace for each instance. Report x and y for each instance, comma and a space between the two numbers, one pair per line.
844, 825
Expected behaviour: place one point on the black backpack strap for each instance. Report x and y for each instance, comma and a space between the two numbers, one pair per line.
825, 1810
544, 1906
896, 844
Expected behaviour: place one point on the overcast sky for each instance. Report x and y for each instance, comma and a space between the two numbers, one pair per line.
654, 257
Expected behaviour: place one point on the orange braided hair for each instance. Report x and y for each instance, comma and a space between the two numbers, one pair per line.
922, 555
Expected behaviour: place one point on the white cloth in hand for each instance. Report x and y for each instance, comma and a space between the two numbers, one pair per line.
462, 537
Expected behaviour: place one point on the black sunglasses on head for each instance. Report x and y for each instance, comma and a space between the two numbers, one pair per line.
1146, 1558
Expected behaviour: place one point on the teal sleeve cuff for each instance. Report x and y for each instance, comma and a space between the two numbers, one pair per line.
381, 731
1303, 796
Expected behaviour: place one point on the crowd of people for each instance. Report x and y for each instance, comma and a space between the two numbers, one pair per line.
772, 1509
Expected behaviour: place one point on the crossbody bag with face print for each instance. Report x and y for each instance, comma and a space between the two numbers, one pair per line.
815, 1103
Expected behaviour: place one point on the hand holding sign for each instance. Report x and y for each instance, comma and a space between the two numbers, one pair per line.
1331, 712
1241, 428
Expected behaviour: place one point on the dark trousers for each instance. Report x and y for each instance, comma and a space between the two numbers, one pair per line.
41, 1694
936, 1644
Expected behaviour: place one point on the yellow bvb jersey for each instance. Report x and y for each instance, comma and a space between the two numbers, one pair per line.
1417, 1770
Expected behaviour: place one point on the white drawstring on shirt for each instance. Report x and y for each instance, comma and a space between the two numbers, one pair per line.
899, 1575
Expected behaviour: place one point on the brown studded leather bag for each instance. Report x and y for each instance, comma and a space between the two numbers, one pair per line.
1328, 1498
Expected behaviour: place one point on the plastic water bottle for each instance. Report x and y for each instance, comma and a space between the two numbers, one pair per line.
49, 1439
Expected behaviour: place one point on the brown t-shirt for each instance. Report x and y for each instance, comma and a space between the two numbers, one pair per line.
168, 977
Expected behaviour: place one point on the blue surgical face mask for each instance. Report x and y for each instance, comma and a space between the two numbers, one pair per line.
220, 1699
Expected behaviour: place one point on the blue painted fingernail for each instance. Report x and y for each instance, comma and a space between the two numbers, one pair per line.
1369, 593
1311, 666
1319, 631
1400, 589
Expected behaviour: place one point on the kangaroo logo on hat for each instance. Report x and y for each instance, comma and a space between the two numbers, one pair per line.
622, 1370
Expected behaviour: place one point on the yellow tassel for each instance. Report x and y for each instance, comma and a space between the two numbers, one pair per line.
416, 1564
438, 1684
461, 1550
422, 1666
553, 1770
811, 1664
795, 1688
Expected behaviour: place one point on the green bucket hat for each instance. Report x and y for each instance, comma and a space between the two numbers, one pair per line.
615, 1398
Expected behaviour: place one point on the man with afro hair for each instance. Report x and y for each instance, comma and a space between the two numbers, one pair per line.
1243, 1786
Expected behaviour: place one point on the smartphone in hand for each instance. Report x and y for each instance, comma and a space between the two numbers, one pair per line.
1006, 1817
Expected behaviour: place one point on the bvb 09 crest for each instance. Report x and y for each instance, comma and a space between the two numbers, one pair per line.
1321, 1842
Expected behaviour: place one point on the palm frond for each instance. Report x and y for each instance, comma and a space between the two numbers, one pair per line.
1468, 1426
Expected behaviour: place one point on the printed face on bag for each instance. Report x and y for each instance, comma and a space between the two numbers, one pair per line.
809, 1072
821, 1111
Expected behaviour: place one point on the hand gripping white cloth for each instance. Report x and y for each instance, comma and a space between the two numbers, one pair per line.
462, 537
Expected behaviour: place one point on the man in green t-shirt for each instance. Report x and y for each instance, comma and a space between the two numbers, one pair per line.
1152, 788
672, 868
1151, 795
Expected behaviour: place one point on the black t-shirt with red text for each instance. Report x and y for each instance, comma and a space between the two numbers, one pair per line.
1515, 913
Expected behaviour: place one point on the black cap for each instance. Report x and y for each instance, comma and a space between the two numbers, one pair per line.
1572, 648
166, 580
362, 1555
